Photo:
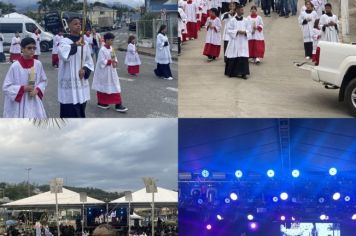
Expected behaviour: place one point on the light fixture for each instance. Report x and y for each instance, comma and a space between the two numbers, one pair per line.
270, 173
250, 217
336, 196
295, 173
284, 196
238, 174
205, 173
332, 171
233, 196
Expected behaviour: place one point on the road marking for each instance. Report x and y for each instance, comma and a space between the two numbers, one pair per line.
158, 114
172, 89
126, 79
172, 101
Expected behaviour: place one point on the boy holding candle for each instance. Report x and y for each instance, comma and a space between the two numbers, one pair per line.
106, 80
24, 85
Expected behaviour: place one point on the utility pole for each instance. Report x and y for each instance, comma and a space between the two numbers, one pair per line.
28, 181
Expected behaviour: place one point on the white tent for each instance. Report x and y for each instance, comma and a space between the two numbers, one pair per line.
47, 199
134, 216
163, 198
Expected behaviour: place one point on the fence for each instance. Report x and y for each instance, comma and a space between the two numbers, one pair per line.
146, 30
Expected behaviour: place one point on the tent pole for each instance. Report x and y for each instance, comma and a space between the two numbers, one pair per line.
153, 213
57, 215
129, 220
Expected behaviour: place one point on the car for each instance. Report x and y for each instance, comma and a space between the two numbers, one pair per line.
25, 26
132, 26
335, 68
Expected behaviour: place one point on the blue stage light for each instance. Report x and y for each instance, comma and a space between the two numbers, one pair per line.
238, 174
284, 196
270, 173
275, 199
336, 196
233, 196
208, 227
295, 173
332, 171
219, 217
205, 173
250, 217
347, 198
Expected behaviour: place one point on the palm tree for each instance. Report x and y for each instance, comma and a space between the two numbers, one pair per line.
49, 122
43, 5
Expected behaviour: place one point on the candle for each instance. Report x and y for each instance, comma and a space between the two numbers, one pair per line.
31, 78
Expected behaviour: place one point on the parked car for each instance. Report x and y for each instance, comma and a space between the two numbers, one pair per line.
132, 26
25, 26
335, 68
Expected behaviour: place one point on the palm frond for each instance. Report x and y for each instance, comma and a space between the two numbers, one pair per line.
49, 122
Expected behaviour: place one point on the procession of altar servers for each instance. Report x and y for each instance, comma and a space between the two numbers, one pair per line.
74, 69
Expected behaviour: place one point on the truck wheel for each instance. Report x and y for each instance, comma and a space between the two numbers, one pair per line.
350, 96
44, 46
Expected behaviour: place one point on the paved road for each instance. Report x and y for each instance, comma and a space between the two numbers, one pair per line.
144, 95
276, 88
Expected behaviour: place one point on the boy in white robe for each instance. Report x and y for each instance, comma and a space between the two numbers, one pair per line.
56, 41
226, 17
191, 10
306, 21
329, 25
132, 59
24, 85
319, 6
163, 56
316, 38
213, 36
182, 27
106, 81
237, 51
37, 37
73, 74
15, 48
256, 42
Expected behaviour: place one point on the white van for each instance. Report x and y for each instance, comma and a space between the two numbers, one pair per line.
25, 26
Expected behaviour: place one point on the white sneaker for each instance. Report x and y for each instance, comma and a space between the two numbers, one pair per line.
308, 58
169, 78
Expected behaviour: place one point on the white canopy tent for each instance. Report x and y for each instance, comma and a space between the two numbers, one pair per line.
163, 198
43, 200
16, 15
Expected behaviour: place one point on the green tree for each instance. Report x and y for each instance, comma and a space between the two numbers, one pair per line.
7, 8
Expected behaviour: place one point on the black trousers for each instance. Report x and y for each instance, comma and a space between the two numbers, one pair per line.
72, 110
163, 70
266, 7
308, 49
179, 45
225, 46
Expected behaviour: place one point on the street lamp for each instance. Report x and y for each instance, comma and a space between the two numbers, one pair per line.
128, 197
56, 185
83, 199
151, 187
28, 181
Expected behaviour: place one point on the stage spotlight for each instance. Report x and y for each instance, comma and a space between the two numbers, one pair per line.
227, 200
275, 199
238, 174
347, 198
295, 173
219, 217
321, 200
353, 217
233, 196
284, 196
283, 218
253, 225
270, 173
208, 227
336, 196
322, 217
250, 217
200, 201
293, 219
332, 171
205, 173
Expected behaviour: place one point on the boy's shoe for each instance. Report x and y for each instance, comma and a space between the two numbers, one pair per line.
103, 106
169, 78
121, 108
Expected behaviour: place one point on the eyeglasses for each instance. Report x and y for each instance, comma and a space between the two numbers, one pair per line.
31, 48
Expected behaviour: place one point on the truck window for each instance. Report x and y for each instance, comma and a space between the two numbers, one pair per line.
30, 27
7, 28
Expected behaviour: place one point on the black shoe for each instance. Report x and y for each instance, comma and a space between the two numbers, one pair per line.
103, 106
244, 77
121, 108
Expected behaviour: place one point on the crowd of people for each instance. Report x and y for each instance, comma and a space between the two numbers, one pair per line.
243, 37
25, 82
317, 23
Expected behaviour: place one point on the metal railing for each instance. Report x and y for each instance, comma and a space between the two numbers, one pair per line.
147, 30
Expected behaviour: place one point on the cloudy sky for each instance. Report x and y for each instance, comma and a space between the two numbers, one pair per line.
111, 154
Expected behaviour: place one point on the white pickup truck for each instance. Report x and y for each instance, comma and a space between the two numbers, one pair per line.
335, 68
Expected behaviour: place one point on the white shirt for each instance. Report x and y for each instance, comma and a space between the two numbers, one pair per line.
163, 53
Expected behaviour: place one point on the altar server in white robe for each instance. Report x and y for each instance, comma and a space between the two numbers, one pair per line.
106, 80
191, 10
73, 84
132, 59
163, 56
256, 41
56, 41
88, 38
182, 27
319, 6
306, 21
213, 36
237, 51
24, 85
15, 48
37, 37
225, 18
329, 25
